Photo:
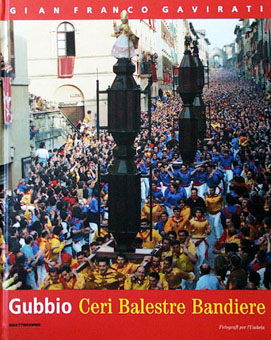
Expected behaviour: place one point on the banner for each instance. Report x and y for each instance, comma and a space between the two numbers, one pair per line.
7, 98
96, 9
137, 314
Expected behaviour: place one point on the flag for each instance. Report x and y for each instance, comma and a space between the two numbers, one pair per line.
7, 99
65, 67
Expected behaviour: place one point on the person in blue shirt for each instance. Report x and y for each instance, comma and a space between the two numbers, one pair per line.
78, 229
52, 204
144, 181
143, 167
230, 209
41, 271
184, 174
30, 260
235, 145
157, 193
164, 177
158, 153
154, 160
207, 280
226, 161
173, 196
92, 208
159, 226
22, 187
221, 173
215, 155
237, 168
213, 178
199, 176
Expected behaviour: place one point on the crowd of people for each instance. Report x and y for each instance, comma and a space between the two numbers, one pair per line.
38, 104
211, 220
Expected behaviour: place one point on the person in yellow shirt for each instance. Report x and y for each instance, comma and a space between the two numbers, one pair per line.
155, 266
44, 244
123, 266
199, 229
138, 280
51, 281
28, 216
88, 119
185, 257
185, 211
166, 249
69, 142
154, 281
229, 236
175, 222
10, 284
82, 265
156, 211
215, 125
141, 281
145, 233
74, 172
106, 277
198, 226
103, 232
174, 275
26, 200
214, 203
56, 244
72, 279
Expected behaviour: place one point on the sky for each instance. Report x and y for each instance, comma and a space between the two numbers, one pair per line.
218, 31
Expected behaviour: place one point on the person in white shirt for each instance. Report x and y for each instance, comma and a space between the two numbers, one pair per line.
42, 154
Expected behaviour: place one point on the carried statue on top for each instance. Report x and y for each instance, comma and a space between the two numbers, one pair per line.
127, 41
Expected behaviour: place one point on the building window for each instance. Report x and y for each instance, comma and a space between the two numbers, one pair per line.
7, 55
65, 40
65, 50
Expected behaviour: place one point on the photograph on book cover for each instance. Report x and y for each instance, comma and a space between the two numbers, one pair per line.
135, 155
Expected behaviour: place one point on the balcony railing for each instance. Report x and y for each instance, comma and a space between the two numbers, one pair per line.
51, 125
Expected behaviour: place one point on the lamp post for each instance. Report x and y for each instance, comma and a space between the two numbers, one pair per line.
198, 104
124, 194
188, 122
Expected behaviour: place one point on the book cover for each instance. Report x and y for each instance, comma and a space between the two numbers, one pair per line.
52, 55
